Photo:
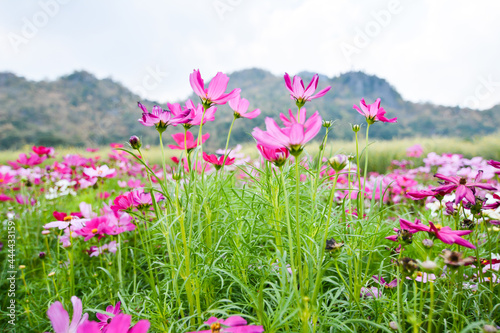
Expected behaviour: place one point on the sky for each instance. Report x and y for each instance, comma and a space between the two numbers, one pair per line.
446, 52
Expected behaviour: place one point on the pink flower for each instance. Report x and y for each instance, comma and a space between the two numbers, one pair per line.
277, 156
160, 118
111, 247
301, 95
24, 161
216, 88
92, 150
4, 197
293, 137
96, 226
494, 164
41, 151
218, 162
143, 200
25, 200
373, 112
123, 202
449, 236
415, 151
371, 292
105, 318
72, 221
59, 317
407, 230
118, 324
463, 188
195, 113
240, 107
381, 280
100, 171
6, 178
235, 324
189, 140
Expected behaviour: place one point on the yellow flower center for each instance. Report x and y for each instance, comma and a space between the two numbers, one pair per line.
215, 327
438, 226
94, 231
68, 218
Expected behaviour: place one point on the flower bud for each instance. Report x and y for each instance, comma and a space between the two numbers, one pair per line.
428, 243
489, 329
393, 325
356, 128
22, 267
42, 255
135, 142
327, 123
338, 162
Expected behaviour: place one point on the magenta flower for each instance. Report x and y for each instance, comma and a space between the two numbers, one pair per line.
449, 236
373, 112
25, 200
407, 230
160, 118
24, 161
41, 151
301, 95
195, 113
143, 200
277, 156
111, 247
4, 197
6, 178
381, 280
494, 164
234, 324
218, 162
96, 226
119, 324
123, 202
216, 88
293, 138
240, 107
189, 141
105, 318
59, 317
463, 188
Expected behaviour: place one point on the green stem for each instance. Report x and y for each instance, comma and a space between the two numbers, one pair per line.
297, 223
365, 172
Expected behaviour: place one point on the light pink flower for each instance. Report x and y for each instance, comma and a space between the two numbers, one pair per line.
160, 118
215, 93
373, 112
100, 171
240, 106
60, 318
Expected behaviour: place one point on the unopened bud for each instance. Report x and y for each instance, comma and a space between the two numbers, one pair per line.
428, 243
135, 142
338, 162
327, 123
42, 255
22, 267
393, 325
356, 128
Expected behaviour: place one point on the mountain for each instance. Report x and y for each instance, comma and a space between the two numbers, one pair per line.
81, 110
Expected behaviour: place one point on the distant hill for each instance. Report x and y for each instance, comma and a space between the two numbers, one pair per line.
81, 110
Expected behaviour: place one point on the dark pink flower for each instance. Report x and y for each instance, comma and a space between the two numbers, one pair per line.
59, 317
6, 178
381, 280
407, 230
215, 93
119, 324
195, 113
300, 94
463, 188
97, 226
240, 106
43, 151
293, 137
105, 318
278, 156
188, 140
24, 161
234, 324
494, 164
160, 118
4, 197
373, 112
218, 162
123, 202
449, 236
25, 200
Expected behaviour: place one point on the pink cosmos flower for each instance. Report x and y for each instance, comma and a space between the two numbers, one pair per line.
4, 197
235, 324
100, 171
216, 88
373, 112
24, 161
463, 188
59, 317
190, 142
218, 162
143, 200
68, 221
494, 164
41, 151
25, 200
240, 106
195, 113
444, 234
123, 202
119, 324
381, 280
160, 118
6, 178
293, 137
111, 247
301, 95
92, 150
406, 232
97, 226
415, 151
105, 318
277, 156
371, 292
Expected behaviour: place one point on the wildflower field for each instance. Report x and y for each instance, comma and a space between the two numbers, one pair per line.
283, 236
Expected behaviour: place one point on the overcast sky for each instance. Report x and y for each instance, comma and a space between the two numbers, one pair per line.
446, 52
